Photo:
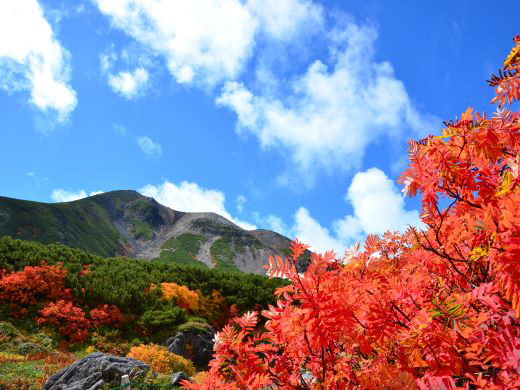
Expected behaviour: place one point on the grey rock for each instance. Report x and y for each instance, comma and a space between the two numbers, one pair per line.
178, 377
95, 371
201, 341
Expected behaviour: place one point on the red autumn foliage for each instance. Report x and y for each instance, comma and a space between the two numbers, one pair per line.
70, 320
106, 315
433, 308
33, 284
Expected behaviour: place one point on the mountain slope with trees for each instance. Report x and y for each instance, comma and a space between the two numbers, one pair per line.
126, 223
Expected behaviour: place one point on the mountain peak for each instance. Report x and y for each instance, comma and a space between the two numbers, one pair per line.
125, 222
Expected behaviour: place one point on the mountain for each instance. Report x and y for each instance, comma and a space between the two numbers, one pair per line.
127, 223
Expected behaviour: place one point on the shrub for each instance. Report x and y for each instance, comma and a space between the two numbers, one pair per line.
197, 319
69, 320
168, 317
44, 340
200, 326
106, 315
8, 330
110, 342
214, 308
181, 295
28, 348
160, 359
23, 288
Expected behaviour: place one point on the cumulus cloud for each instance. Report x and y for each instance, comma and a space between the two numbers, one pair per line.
60, 195
207, 41
129, 84
377, 207
333, 112
190, 197
149, 147
32, 59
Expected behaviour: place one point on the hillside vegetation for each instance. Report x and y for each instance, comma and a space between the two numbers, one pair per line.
126, 223
54, 296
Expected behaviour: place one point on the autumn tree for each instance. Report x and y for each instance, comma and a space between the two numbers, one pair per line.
430, 308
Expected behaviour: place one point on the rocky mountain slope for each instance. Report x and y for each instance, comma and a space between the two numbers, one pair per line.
129, 224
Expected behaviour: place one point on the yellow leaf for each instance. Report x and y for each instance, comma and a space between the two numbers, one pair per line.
513, 57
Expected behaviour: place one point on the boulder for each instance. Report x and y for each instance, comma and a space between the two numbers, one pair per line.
178, 377
195, 343
95, 371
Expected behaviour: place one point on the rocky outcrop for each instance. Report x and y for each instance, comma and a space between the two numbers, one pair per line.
195, 343
95, 371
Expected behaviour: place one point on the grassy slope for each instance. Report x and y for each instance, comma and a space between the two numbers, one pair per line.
85, 224
222, 256
182, 249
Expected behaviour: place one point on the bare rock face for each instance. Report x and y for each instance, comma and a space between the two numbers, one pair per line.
95, 371
195, 344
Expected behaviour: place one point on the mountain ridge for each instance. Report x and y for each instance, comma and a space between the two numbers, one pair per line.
126, 223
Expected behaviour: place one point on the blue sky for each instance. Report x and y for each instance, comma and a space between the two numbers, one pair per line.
290, 115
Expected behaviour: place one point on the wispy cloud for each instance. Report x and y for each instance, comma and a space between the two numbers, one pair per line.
32, 59
149, 147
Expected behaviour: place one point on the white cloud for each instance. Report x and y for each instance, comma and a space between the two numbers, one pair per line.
149, 147
377, 204
129, 84
60, 195
32, 59
207, 38
284, 20
96, 193
207, 41
309, 231
240, 201
190, 197
333, 112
